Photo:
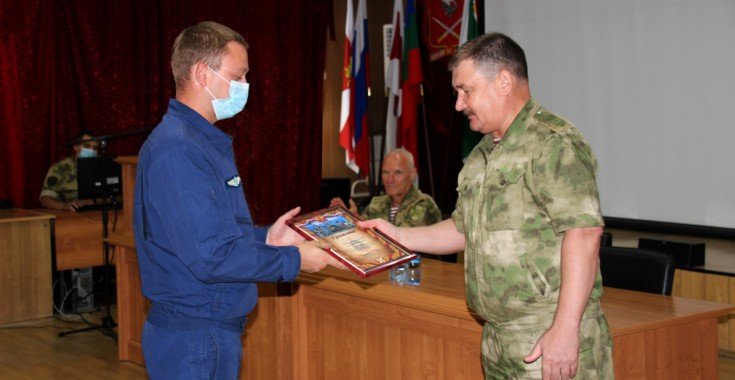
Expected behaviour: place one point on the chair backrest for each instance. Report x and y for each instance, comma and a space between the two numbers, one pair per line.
365, 193
637, 269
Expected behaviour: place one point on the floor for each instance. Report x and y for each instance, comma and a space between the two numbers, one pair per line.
33, 350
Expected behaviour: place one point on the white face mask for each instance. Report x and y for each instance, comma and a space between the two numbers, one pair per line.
229, 107
87, 152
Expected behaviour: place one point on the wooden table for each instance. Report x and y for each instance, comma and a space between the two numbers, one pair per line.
335, 325
78, 238
25, 257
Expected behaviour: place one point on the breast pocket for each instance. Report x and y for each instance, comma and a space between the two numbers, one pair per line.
503, 200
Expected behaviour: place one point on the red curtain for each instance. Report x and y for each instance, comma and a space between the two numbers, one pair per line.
104, 65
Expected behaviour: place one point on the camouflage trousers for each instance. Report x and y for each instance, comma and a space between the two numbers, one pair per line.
503, 350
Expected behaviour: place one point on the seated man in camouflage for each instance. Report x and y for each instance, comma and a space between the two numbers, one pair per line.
403, 204
60, 186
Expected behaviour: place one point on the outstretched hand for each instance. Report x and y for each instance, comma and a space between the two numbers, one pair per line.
384, 226
339, 202
281, 234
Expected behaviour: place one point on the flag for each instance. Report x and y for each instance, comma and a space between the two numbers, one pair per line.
468, 29
393, 78
411, 77
467, 32
441, 27
346, 117
361, 75
354, 136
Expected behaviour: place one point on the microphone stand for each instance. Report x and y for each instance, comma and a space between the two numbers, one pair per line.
107, 324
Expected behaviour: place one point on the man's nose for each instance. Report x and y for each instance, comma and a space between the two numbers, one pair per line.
460, 105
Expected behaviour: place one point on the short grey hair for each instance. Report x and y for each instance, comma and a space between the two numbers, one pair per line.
406, 154
491, 53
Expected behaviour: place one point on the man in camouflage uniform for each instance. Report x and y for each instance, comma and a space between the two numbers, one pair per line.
411, 207
60, 186
528, 218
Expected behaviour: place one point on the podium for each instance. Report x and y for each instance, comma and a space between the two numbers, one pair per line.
25, 257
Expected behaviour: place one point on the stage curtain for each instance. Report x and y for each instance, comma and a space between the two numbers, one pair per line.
104, 66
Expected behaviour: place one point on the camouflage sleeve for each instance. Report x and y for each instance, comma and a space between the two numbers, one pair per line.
457, 218
49, 189
432, 214
422, 212
464, 190
564, 178
372, 211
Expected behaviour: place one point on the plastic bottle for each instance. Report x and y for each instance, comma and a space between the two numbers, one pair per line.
408, 273
413, 272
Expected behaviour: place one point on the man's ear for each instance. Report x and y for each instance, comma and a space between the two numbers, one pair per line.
200, 73
505, 81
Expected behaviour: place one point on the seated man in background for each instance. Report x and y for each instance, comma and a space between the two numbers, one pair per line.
403, 204
60, 186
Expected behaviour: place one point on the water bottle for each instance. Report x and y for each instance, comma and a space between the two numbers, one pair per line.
398, 273
413, 272
409, 273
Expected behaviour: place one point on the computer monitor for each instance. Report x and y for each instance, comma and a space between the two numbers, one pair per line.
90, 177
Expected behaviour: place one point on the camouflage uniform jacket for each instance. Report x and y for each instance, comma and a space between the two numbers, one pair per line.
417, 209
61, 181
515, 200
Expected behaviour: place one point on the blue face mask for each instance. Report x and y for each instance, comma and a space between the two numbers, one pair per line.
87, 152
229, 107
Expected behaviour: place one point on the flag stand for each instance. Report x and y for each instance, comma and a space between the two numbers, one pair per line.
382, 154
373, 188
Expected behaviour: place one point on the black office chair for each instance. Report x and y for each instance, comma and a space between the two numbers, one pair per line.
637, 269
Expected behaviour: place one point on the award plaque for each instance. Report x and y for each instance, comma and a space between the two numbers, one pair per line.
365, 251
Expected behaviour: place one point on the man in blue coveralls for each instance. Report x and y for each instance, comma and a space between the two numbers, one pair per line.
199, 253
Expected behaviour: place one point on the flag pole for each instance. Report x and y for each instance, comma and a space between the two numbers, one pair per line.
371, 153
426, 139
447, 151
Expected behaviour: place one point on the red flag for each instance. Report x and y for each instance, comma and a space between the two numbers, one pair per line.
442, 20
346, 117
353, 129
